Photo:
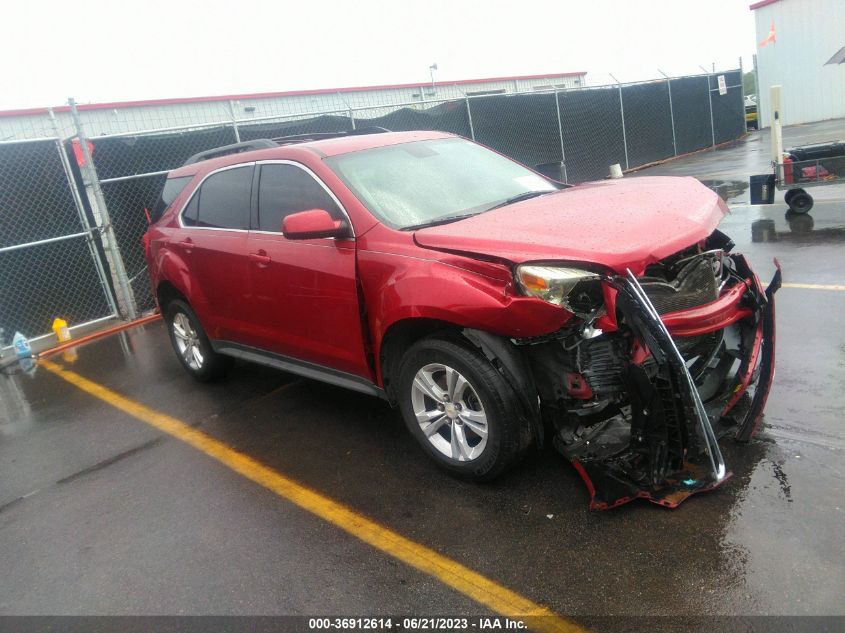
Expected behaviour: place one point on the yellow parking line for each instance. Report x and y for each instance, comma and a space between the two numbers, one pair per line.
816, 287
451, 573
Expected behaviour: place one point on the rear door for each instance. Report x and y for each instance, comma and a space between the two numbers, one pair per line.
214, 242
304, 292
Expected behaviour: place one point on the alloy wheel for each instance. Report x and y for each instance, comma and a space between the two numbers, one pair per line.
449, 412
187, 341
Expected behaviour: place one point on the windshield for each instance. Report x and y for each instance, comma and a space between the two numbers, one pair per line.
418, 183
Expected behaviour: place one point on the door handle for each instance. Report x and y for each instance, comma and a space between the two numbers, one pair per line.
261, 258
187, 244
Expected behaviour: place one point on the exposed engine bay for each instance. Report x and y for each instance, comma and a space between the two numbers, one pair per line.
654, 370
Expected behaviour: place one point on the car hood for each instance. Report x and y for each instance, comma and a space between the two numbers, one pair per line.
620, 224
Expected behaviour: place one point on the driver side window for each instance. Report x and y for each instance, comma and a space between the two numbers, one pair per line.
287, 189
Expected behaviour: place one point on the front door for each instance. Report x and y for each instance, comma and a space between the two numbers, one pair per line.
304, 292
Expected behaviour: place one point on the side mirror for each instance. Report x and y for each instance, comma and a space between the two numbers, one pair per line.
315, 223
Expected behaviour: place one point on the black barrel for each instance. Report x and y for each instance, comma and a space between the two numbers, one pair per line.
763, 189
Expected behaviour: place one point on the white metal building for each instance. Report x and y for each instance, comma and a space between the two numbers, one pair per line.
807, 33
114, 118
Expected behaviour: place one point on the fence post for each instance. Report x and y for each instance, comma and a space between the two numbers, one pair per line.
234, 121
742, 93
622, 113
710, 101
563, 173
83, 218
671, 111
757, 94
469, 118
126, 298
348, 109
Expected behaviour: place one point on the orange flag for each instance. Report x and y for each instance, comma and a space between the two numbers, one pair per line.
770, 38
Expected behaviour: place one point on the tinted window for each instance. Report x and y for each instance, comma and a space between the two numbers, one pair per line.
172, 188
224, 199
189, 215
286, 189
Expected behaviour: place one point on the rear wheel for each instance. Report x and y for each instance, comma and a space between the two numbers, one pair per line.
192, 346
461, 410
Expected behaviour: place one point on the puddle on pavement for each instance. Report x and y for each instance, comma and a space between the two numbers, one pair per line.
15, 411
800, 228
726, 189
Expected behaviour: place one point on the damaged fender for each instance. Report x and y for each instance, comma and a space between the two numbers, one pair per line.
509, 362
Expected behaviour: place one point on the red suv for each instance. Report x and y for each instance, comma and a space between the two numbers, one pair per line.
496, 308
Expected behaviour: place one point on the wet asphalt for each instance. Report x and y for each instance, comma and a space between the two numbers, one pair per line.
102, 514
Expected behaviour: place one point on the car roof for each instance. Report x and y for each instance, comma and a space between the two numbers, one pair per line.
323, 148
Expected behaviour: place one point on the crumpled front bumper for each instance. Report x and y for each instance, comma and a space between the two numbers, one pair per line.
667, 448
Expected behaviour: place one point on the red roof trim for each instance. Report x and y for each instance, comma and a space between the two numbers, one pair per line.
761, 4
270, 95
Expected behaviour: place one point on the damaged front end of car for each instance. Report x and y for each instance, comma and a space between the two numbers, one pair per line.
654, 370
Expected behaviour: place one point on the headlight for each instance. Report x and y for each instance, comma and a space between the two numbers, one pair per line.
578, 291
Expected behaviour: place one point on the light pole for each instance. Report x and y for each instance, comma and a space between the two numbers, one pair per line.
431, 70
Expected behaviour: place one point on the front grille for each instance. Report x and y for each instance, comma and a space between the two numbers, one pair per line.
695, 285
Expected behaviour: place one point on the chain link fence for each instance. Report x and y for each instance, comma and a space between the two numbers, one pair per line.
522, 126
108, 180
290, 126
131, 169
49, 264
444, 116
576, 134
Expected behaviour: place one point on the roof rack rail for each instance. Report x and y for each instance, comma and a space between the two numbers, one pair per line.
234, 148
267, 143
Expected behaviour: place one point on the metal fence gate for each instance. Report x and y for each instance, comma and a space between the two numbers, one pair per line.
50, 265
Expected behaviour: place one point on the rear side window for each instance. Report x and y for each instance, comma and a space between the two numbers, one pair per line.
224, 199
286, 189
190, 215
172, 188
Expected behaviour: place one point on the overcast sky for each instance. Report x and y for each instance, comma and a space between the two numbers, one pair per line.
97, 51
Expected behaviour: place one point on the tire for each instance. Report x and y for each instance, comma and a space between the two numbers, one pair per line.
192, 346
788, 195
800, 201
481, 400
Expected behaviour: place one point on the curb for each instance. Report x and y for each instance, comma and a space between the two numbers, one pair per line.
97, 335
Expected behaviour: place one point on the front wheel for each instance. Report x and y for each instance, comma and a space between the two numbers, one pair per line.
192, 347
461, 410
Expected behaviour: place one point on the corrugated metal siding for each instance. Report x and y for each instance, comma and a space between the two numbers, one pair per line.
808, 33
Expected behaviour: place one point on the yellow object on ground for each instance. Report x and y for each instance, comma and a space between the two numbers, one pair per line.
61, 329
